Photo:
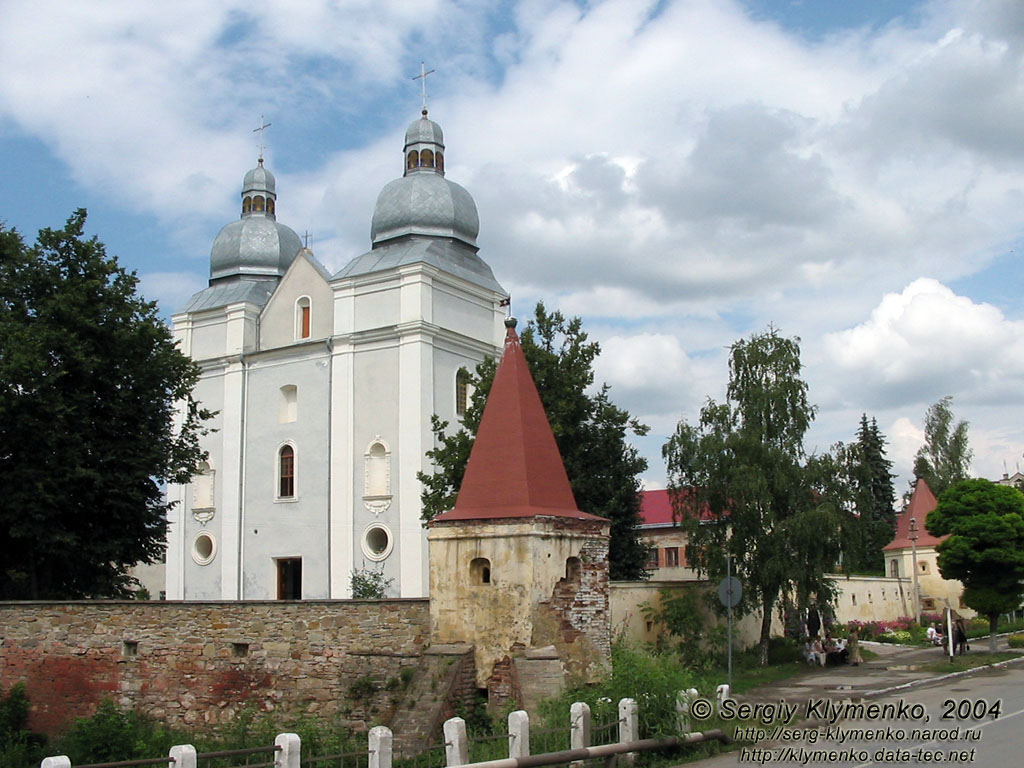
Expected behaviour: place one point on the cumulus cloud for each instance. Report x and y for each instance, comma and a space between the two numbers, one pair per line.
927, 341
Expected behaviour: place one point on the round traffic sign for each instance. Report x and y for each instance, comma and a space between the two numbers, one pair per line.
730, 591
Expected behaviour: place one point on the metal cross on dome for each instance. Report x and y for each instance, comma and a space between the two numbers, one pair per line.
422, 77
263, 127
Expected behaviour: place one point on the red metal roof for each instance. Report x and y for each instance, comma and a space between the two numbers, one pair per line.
922, 501
656, 509
514, 469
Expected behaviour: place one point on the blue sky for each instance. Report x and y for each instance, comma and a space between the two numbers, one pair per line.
680, 173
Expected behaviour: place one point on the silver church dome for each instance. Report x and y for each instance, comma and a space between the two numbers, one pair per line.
423, 202
256, 245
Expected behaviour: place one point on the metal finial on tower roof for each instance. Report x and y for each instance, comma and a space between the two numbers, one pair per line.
263, 127
510, 322
422, 77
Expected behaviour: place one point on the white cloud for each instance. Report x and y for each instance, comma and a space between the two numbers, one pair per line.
927, 342
170, 289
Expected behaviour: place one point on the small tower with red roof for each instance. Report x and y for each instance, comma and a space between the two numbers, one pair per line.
937, 593
516, 566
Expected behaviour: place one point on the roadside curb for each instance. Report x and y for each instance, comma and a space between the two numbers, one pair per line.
933, 680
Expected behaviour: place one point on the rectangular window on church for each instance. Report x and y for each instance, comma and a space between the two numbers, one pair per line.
305, 322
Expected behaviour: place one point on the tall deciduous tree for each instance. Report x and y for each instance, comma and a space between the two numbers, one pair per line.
89, 380
945, 457
743, 486
985, 549
591, 431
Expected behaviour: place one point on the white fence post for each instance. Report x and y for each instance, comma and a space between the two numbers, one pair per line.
456, 746
183, 755
722, 693
57, 761
380, 746
518, 734
579, 729
629, 728
579, 717
290, 752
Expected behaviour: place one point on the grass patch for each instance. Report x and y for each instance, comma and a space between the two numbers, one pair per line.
967, 661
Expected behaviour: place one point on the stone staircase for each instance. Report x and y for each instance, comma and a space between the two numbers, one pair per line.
446, 677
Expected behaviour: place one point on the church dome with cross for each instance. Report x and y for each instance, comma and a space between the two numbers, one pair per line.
256, 245
423, 201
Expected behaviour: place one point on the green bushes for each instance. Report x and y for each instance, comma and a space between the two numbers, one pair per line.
113, 734
653, 679
1015, 641
20, 747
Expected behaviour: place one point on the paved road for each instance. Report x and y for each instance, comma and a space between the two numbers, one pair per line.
976, 720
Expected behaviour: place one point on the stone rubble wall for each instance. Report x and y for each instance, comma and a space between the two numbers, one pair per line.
197, 665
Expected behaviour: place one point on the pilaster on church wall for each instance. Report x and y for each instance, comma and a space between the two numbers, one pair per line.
416, 294
415, 406
342, 458
344, 307
240, 332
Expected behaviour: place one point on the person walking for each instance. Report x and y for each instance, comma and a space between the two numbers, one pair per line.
853, 645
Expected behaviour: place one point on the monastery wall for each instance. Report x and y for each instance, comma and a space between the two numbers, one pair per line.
196, 665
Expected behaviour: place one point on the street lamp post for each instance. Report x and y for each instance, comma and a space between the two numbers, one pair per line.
913, 559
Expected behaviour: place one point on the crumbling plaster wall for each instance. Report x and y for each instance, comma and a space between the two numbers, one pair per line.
529, 600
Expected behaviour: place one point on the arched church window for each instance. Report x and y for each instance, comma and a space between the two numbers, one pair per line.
303, 315
258, 203
202, 487
480, 571
270, 205
378, 470
426, 159
289, 406
440, 161
247, 205
461, 391
413, 159
286, 472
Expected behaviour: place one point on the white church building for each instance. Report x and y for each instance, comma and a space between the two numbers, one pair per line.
323, 387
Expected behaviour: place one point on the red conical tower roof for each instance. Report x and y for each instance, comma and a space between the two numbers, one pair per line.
922, 501
514, 469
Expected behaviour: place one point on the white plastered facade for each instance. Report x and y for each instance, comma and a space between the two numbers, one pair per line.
350, 389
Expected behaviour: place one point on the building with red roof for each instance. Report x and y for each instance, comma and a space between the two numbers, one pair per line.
937, 593
516, 569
